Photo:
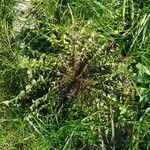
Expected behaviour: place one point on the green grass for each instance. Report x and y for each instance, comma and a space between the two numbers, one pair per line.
77, 76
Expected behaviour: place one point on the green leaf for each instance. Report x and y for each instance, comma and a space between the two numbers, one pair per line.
144, 74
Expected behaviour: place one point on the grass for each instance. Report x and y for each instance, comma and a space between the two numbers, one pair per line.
76, 77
